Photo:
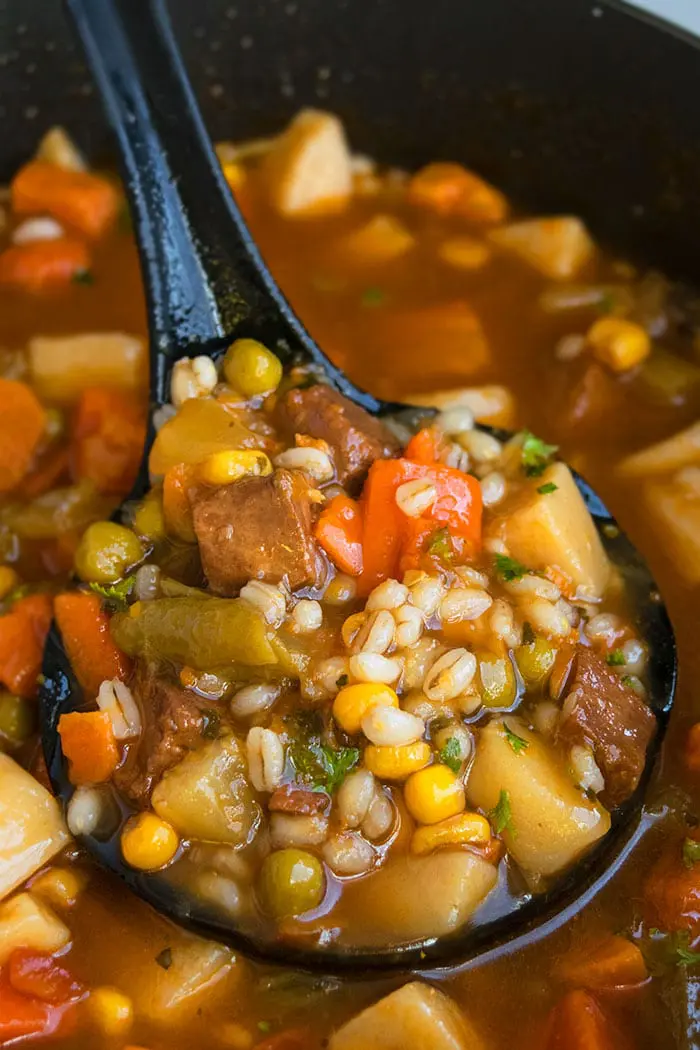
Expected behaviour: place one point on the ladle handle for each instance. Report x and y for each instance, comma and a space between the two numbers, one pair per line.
206, 282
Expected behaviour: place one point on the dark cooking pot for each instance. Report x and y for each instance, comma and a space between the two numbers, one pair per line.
571, 105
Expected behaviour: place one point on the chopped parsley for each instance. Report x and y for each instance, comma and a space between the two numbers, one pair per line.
616, 658
440, 545
686, 957
372, 297
509, 568
211, 723
264, 1027
691, 852
548, 487
342, 681
83, 277
536, 454
500, 816
324, 767
451, 755
115, 594
165, 958
516, 742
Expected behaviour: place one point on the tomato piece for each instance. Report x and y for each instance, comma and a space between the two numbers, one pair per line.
39, 975
22, 1016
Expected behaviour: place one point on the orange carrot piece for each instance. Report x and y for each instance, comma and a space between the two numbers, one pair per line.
48, 473
425, 446
614, 962
578, 1023
339, 532
42, 265
22, 635
108, 436
177, 511
672, 893
692, 748
451, 189
84, 627
88, 742
22, 425
83, 200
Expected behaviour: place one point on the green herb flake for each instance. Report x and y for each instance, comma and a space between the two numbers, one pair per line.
372, 297
509, 569
86, 277
211, 724
691, 852
115, 594
165, 958
536, 454
517, 743
451, 755
616, 658
501, 816
440, 545
324, 767
686, 957
264, 1027
342, 681
630, 681
549, 486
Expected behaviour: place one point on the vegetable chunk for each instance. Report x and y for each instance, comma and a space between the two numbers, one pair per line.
62, 366
558, 247
414, 1016
308, 168
553, 530
550, 823
27, 923
22, 424
32, 830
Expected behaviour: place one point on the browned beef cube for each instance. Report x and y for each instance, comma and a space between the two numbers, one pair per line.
257, 528
172, 726
603, 712
356, 438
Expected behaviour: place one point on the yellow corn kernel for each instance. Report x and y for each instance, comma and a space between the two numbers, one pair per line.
464, 253
354, 701
148, 516
234, 175
148, 842
619, 344
397, 763
434, 794
467, 829
60, 886
110, 1010
135, 610
9, 579
221, 468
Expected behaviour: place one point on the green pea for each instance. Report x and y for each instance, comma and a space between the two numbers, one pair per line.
535, 661
291, 882
106, 552
251, 368
497, 680
17, 718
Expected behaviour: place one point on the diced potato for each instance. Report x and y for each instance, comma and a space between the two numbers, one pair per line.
201, 427
195, 964
308, 169
206, 795
552, 821
555, 530
494, 405
414, 897
665, 456
57, 147
559, 247
416, 1015
32, 830
27, 923
62, 366
675, 512
380, 240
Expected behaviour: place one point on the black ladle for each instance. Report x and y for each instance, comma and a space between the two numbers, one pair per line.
207, 284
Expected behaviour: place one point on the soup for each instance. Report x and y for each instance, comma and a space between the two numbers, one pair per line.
436, 672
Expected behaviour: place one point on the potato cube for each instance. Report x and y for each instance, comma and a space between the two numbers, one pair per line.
553, 529
62, 366
32, 830
416, 1015
674, 511
665, 456
309, 167
27, 923
559, 247
490, 404
379, 241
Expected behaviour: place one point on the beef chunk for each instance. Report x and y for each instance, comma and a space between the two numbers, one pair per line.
356, 438
257, 528
172, 726
603, 712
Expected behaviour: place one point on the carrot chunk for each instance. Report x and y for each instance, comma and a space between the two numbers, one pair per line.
339, 531
84, 628
578, 1023
88, 742
22, 425
425, 446
38, 974
22, 635
42, 265
672, 893
109, 432
21, 1016
614, 962
451, 189
79, 198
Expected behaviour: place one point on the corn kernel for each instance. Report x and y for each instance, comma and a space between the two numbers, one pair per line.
434, 794
221, 468
234, 175
135, 610
464, 253
149, 520
9, 579
354, 701
619, 344
397, 763
59, 886
110, 1010
466, 829
148, 842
